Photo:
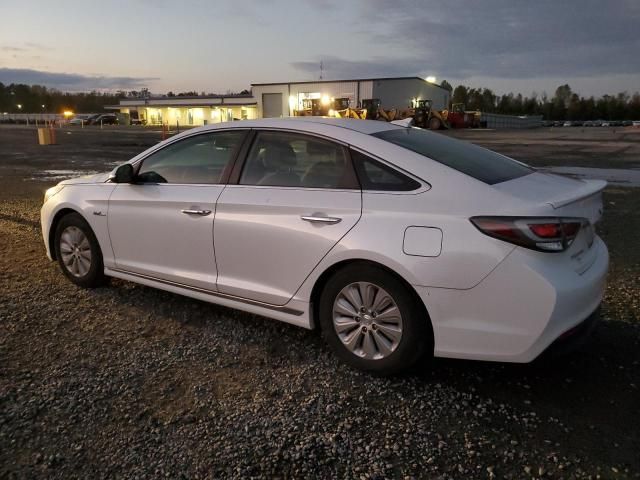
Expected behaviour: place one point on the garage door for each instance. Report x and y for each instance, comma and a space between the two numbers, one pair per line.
271, 105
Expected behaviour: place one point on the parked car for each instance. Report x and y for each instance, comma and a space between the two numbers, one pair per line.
558, 123
605, 123
627, 123
588, 123
80, 119
577, 123
394, 241
567, 124
105, 119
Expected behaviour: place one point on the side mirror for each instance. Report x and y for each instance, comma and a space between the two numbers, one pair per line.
123, 174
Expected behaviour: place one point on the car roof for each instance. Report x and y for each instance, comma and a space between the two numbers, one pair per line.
361, 126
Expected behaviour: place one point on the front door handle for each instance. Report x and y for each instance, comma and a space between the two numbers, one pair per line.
319, 219
189, 211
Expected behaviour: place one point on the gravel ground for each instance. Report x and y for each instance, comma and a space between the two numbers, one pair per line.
128, 381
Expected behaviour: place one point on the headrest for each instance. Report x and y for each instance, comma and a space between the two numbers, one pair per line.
279, 155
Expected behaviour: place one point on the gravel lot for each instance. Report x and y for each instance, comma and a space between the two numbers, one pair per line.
128, 381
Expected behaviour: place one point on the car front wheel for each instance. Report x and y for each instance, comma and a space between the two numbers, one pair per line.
78, 252
372, 321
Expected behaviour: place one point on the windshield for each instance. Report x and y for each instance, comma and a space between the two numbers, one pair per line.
477, 162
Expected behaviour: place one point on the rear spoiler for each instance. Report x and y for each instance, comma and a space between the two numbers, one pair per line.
590, 188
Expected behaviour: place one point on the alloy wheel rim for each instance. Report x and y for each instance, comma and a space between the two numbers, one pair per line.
367, 320
75, 251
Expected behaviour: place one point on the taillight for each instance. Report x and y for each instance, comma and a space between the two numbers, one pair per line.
538, 233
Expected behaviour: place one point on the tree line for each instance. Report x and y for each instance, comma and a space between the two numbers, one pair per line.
564, 105
21, 98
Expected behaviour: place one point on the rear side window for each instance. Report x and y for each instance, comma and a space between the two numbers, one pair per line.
285, 159
374, 175
477, 162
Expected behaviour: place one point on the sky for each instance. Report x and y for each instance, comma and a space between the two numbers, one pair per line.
217, 46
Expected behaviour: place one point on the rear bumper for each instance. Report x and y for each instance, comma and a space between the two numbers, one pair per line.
517, 311
573, 338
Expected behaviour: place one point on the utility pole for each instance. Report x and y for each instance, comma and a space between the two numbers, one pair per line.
320, 69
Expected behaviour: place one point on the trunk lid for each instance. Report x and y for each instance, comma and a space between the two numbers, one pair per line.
568, 197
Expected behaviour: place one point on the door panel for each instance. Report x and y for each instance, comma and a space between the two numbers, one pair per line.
264, 249
150, 234
162, 225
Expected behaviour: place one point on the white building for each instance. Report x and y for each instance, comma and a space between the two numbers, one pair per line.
188, 111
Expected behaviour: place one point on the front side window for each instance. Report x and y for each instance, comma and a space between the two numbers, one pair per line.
284, 159
199, 159
477, 162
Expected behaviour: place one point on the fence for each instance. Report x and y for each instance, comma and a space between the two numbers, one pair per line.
493, 120
31, 118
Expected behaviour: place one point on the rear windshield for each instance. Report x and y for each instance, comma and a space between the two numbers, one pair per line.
477, 162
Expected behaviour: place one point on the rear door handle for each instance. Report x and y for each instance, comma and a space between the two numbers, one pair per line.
319, 219
189, 211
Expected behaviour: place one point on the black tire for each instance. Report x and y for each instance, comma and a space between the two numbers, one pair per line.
94, 277
417, 336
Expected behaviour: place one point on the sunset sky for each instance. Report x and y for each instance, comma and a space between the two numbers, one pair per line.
215, 46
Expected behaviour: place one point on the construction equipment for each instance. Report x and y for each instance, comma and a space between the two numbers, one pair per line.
458, 117
312, 107
335, 107
340, 109
376, 112
422, 112
425, 116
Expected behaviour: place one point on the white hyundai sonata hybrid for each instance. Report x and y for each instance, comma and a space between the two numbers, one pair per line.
394, 241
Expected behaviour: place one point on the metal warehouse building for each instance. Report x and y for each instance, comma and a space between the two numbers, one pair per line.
281, 99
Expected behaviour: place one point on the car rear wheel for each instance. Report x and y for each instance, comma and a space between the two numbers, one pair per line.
78, 252
372, 321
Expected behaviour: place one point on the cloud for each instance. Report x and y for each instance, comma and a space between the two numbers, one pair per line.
71, 81
25, 47
515, 39
336, 68
11, 48
38, 46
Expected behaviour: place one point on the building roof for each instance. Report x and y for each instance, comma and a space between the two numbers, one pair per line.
199, 101
347, 80
191, 97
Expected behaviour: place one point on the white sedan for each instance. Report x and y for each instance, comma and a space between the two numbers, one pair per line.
395, 242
